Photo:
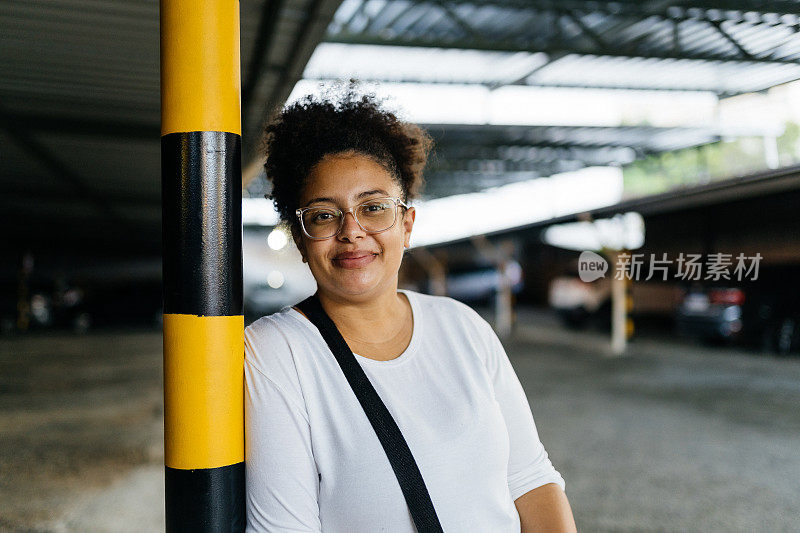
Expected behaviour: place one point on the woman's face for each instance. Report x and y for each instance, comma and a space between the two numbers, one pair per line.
343, 181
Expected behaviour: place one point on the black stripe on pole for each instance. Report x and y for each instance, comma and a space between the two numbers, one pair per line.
208, 499
201, 195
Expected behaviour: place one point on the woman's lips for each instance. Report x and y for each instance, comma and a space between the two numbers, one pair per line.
354, 261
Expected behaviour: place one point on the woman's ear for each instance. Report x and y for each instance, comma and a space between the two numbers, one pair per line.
408, 225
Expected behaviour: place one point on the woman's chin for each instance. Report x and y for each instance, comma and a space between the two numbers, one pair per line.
356, 288
354, 284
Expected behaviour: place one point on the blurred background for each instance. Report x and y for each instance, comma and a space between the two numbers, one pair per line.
659, 128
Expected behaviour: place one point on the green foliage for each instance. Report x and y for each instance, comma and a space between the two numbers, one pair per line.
711, 162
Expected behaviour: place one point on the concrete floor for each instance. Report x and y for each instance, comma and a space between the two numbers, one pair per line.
672, 437
81, 431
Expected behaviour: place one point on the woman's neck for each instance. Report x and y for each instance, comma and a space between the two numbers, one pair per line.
371, 320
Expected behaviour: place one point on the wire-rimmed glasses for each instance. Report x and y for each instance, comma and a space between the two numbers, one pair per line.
373, 216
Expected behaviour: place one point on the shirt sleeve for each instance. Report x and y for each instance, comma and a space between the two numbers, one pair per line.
529, 465
282, 483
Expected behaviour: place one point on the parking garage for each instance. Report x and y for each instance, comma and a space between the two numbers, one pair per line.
649, 132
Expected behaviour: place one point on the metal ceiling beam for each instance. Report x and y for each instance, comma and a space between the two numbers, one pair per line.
465, 26
394, 19
520, 82
510, 46
764, 7
596, 38
503, 166
457, 137
640, 149
638, 7
533, 152
736, 44
359, 12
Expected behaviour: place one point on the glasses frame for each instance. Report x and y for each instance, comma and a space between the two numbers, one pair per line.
397, 203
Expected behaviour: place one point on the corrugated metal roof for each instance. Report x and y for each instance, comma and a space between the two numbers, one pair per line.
715, 46
725, 47
80, 110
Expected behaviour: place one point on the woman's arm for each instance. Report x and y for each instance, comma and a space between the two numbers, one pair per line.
545, 509
281, 477
536, 487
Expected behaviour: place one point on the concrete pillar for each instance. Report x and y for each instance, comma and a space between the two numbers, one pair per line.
621, 305
501, 256
435, 269
504, 301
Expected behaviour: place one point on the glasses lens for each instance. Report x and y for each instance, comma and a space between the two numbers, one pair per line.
321, 223
377, 215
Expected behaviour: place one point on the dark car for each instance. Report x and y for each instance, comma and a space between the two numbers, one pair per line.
763, 314
478, 284
711, 314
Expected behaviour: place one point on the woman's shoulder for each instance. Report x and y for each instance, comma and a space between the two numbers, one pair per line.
448, 309
270, 328
268, 348
445, 316
452, 318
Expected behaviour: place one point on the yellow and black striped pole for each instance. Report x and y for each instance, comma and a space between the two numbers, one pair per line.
202, 265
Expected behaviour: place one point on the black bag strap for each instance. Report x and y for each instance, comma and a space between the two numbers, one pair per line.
395, 446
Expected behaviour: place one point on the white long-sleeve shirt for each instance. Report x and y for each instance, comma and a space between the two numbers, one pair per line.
314, 463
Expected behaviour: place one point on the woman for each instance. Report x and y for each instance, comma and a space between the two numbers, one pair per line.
343, 173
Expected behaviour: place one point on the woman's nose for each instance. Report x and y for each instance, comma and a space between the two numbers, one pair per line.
350, 228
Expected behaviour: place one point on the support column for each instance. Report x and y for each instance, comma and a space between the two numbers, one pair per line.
435, 269
504, 297
500, 256
202, 266
621, 305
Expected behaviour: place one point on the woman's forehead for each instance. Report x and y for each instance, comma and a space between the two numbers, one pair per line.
344, 179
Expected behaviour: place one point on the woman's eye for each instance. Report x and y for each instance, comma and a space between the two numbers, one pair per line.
324, 216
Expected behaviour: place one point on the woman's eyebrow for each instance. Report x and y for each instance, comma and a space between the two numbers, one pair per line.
373, 191
360, 195
321, 199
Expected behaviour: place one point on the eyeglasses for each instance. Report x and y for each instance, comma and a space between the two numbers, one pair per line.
372, 216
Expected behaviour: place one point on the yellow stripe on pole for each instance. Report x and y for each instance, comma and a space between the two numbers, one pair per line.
203, 391
200, 80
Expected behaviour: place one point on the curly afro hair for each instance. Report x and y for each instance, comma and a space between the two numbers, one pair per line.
298, 136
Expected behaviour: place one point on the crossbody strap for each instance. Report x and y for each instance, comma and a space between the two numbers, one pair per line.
395, 446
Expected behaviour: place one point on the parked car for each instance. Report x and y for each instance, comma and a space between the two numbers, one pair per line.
478, 284
582, 304
761, 315
579, 303
711, 313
